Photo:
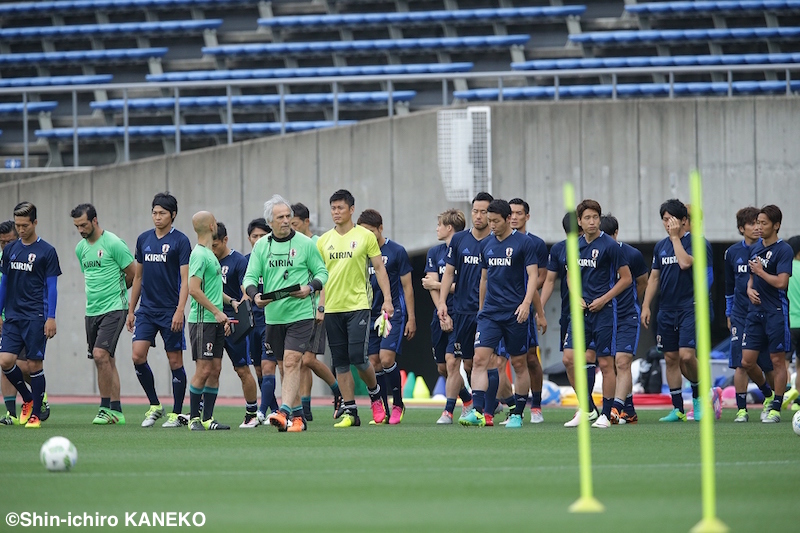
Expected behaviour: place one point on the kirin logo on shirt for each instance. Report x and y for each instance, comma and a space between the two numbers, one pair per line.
225, 274
509, 252
164, 248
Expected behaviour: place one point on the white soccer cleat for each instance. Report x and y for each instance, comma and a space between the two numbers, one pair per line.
602, 422
576, 420
536, 416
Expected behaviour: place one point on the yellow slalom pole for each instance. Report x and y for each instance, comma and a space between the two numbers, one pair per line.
710, 523
587, 502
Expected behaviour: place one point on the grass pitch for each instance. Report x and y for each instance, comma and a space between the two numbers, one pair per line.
414, 477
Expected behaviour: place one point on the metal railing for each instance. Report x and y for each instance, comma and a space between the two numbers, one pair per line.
556, 75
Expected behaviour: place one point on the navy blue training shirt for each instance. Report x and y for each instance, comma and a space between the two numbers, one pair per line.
628, 300
435, 262
395, 259
677, 286
258, 312
737, 274
599, 261
161, 261
464, 253
25, 271
506, 265
233, 267
557, 262
776, 259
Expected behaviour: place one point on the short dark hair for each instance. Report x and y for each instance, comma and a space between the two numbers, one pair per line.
500, 207
523, 203
483, 197
794, 242
25, 209
773, 213
343, 194
674, 207
7, 227
84, 209
167, 201
300, 211
260, 223
609, 224
370, 217
222, 231
745, 215
588, 203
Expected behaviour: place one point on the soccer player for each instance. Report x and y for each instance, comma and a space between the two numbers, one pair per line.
671, 275
463, 266
208, 324
767, 325
737, 274
604, 276
256, 229
448, 224
8, 234
28, 296
283, 260
302, 224
520, 215
161, 283
557, 270
509, 277
233, 266
627, 324
792, 396
383, 351
346, 249
108, 269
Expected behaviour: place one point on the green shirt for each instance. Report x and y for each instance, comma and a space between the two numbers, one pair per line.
203, 264
103, 264
793, 293
283, 264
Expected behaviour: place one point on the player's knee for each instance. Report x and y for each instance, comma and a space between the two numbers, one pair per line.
340, 370
363, 367
623, 364
442, 369
175, 360
100, 357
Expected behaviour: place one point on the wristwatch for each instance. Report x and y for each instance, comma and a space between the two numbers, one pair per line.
321, 309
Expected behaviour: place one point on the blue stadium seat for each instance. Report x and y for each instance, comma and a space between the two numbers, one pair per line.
119, 55
94, 30
715, 34
675, 8
55, 80
653, 61
396, 45
420, 17
253, 128
16, 108
44, 8
202, 102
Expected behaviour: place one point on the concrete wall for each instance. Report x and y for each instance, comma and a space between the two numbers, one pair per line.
629, 155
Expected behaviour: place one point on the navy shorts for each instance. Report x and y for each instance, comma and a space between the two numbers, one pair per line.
24, 337
767, 330
439, 342
735, 361
492, 329
393, 341
238, 353
600, 332
533, 334
255, 344
563, 322
628, 334
676, 329
148, 325
460, 341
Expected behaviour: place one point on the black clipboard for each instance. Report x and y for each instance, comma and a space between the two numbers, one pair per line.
281, 293
242, 322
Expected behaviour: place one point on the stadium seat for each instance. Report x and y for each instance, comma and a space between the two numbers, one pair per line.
254, 128
690, 8
201, 102
419, 17
55, 80
653, 61
393, 45
309, 72
169, 27
77, 6
16, 108
119, 55
632, 37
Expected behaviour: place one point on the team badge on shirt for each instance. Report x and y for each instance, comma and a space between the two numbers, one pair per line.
292, 253
353, 245
100, 254
31, 258
769, 255
164, 248
595, 253
509, 252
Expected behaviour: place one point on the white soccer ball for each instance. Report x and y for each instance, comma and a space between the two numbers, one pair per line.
796, 423
58, 454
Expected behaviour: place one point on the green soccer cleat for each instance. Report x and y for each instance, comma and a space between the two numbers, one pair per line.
44, 412
789, 398
514, 421
697, 407
674, 416
153, 413
473, 418
196, 425
9, 420
172, 421
767, 406
213, 425
773, 417
348, 420
741, 416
